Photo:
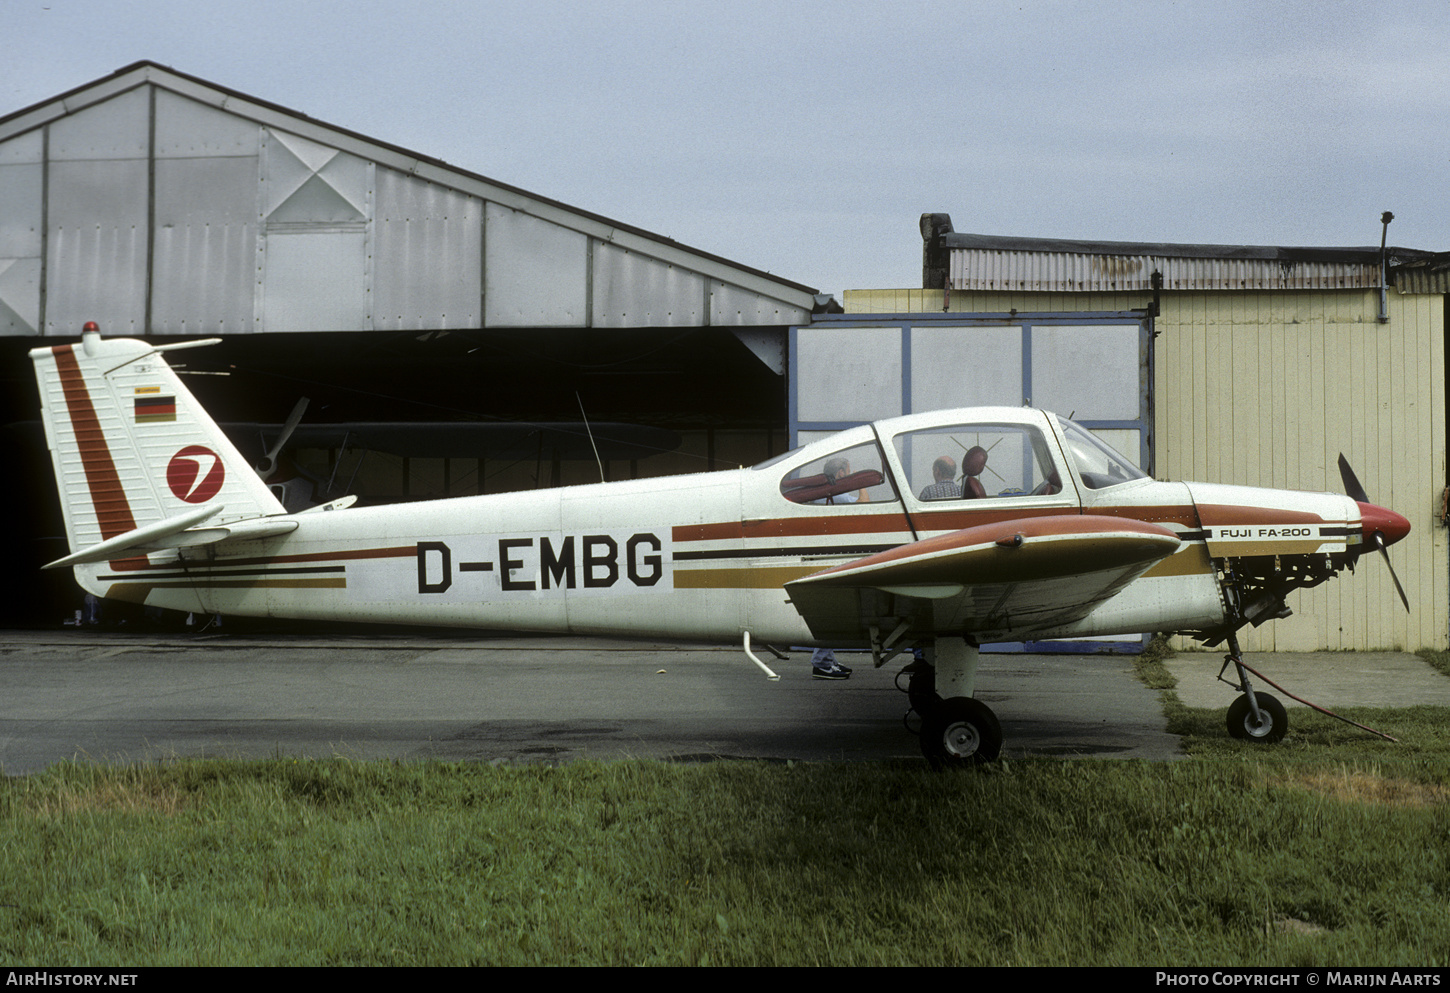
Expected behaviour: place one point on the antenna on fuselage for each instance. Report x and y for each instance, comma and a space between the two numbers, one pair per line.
590, 432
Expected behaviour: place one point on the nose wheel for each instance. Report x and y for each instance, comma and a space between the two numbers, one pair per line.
1268, 727
1255, 717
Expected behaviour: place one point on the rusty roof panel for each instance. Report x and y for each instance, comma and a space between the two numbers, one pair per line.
1075, 272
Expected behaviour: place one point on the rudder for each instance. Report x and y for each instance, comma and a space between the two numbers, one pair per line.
130, 445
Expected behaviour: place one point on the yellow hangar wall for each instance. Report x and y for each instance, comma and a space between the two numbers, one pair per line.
1266, 388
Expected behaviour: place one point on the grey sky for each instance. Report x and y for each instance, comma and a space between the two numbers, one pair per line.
806, 138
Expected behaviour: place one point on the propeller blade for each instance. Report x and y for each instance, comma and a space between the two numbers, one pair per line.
268, 464
1352, 487
1355, 491
293, 419
1385, 553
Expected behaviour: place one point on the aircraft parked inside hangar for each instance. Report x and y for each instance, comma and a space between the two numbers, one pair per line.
852, 540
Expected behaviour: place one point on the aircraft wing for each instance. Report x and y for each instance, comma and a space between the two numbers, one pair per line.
1001, 580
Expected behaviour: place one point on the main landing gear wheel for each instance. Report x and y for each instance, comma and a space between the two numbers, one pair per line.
960, 733
1272, 726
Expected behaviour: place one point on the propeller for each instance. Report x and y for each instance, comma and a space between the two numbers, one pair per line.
1382, 527
268, 464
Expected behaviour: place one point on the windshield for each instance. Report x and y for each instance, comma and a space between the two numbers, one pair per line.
1098, 466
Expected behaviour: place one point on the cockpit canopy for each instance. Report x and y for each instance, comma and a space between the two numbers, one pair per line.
952, 455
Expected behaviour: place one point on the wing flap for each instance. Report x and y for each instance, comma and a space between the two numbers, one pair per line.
996, 580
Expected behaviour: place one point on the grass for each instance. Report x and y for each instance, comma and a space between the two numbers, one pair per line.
1331, 848
1437, 659
1284, 856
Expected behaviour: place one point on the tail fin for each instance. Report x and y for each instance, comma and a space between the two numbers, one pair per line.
136, 458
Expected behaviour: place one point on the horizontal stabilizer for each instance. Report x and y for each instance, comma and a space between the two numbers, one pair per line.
131, 540
179, 532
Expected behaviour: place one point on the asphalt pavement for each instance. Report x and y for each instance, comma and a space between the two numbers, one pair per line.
144, 697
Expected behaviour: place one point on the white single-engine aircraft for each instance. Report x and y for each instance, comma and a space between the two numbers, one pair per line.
861, 539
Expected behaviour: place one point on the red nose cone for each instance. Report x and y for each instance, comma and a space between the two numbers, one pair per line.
1386, 522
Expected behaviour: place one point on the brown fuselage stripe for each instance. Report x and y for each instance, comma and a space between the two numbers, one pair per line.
739, 579
925, 520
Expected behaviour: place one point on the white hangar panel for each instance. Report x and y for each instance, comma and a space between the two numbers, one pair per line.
965, 367
1095, 371
846, 375
304, 182
313, 248
427, 255
19, 296
96, 250
186, 129
731, 306
21, 183
205, 252
117, 128
535, 272
631, 290
315, 282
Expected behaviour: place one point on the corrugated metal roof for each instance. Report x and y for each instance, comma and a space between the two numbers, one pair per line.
975, 262
1428, 276
1063, 272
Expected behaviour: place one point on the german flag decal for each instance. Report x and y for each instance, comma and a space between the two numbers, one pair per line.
152, 407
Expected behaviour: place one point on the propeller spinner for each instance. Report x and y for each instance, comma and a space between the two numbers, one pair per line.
1382, 527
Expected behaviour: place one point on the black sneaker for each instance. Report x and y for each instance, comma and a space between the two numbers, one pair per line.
833, 671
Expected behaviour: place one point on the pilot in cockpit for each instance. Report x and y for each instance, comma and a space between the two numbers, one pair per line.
944, 485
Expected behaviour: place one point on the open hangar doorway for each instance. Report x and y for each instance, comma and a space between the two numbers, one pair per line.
396, 416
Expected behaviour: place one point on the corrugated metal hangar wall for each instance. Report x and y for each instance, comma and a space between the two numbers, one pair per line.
173, 206
386, 287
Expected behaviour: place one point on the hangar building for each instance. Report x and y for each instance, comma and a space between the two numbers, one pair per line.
451, 333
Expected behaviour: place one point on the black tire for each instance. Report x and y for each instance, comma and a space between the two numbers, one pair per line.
1241, 720
960, 733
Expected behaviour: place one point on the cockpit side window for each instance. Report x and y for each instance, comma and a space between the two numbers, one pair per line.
973, 461
851, 475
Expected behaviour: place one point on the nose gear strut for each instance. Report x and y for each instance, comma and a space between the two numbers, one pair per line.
1251, 711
